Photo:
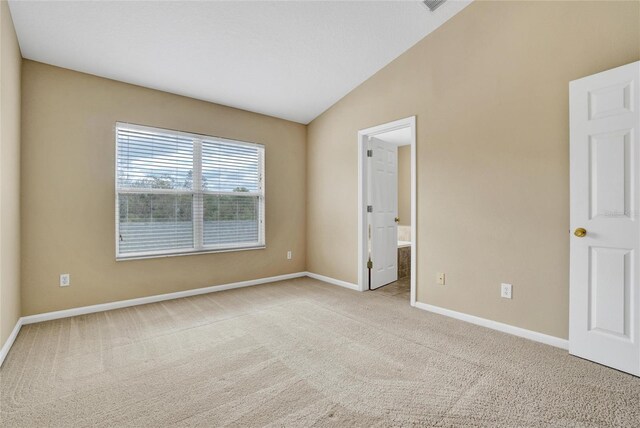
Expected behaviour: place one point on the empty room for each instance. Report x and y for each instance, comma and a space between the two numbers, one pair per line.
319, 213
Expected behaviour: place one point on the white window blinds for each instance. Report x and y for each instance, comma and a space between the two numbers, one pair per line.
183, 193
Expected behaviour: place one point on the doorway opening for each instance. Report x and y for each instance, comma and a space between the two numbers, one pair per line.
387, 207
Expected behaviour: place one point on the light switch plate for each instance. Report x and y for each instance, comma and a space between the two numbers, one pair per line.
441, 278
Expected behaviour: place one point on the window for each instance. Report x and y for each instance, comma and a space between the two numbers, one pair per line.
180, 193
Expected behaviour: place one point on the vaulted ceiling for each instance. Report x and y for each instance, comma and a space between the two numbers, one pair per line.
288, 59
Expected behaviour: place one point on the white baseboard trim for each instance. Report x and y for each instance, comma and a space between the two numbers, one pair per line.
333, 281
9, 343
495, 325
505, 328
48, 316
153, 299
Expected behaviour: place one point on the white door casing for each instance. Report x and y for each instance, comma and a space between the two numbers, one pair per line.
383, 198
605, 193
363, 192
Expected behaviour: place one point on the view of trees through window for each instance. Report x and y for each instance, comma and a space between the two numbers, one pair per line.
141, 207
158, 207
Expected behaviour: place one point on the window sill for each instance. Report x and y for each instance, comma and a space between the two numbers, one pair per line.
187, 253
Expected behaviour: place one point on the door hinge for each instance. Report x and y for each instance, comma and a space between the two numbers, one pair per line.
369, 264
370, 153
369, 208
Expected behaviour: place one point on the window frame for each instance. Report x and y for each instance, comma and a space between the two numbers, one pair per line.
197, 197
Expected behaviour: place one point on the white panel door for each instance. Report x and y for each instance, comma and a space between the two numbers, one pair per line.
605, 193
383, 198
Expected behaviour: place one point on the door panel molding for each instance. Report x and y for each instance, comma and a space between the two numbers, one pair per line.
604, 321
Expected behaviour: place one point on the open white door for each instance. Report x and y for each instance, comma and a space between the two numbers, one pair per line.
605, 218
383, 203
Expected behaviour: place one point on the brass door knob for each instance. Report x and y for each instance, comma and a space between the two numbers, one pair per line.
397, 219
580, 232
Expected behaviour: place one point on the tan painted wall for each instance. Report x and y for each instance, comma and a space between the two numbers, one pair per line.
404, 185
10, 63
68, 191
490, 91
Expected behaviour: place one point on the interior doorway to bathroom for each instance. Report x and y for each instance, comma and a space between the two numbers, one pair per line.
387, 209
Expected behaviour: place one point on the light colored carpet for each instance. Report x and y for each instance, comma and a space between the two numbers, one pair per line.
298, 353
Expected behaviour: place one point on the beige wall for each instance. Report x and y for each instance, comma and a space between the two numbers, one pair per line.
404, 185
68, 219
490, 91
10, 63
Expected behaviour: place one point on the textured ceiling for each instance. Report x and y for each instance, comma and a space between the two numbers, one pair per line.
291, 60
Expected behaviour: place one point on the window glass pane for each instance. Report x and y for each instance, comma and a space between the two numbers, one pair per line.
159, 207
231, 219
149, 160
230, 167
152, 222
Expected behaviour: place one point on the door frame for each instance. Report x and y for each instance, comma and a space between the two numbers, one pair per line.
363, 134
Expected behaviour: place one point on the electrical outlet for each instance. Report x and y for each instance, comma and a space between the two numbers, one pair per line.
505, 290
65, 280
289, 255
440, 278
